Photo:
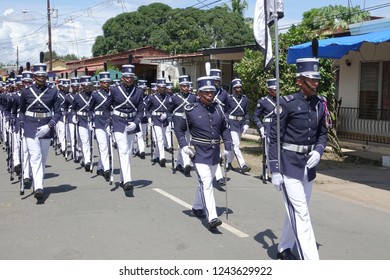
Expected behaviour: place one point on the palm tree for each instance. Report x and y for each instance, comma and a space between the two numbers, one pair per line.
239, 6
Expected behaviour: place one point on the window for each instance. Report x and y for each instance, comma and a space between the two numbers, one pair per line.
374, 97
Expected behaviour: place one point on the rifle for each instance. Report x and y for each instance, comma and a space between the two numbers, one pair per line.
21, 150
151, 143
147, 135
75, 151
111, 156
55, 140
91, 146
226, 189
263, 145
173, 150
10, 158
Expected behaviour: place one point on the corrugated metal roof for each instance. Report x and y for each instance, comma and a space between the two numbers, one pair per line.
370, 26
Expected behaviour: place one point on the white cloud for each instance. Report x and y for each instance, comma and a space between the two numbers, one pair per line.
8, 12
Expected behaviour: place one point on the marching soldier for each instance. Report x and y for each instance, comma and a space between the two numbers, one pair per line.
263, 120
68, 105
101, 114
39, 112
168, 145
63, 86
176, 109
82, 118
238, 118
303, 137
126, 99
141, 135
207, 125
157, 107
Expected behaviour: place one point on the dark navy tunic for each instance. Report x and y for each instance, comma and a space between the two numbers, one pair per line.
127, 106
39, 106
178, 102
263, 113
302, 122
207, 126
156, 105
237, 112
81, 108
100, 108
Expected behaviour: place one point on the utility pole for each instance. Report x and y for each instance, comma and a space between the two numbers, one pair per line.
49, 35
17, 58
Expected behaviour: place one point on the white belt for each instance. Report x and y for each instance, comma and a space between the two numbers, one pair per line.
237, 118
38, 115
178, 114
267, 120
84, 114
157, 113
124, 115
205, 141
303, 149
99, 113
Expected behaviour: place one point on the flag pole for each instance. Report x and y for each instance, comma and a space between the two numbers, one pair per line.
277, 76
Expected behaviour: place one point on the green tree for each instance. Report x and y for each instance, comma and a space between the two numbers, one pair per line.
172, 30
316, 22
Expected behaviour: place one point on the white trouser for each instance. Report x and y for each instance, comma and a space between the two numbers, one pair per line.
218, 173
184, 159
204, 197
85, 143
125, 143
26, 160
141, 138
102, 140
236, 149
73, 138
38, 150
61, 133
167, 138
15, 148
158, 136
297, 225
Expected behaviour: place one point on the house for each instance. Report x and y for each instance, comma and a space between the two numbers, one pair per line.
362, 82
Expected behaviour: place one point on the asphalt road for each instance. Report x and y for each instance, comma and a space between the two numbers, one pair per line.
84, 218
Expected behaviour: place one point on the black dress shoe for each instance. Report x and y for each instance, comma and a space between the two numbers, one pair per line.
18, 169
229, 167
88, 167
286, 255
107, 175
199, 213
179, 168
142, 155
156, 160
128, 186
214, 223
221, 182
162, 162
187, 170
27, 183
99, 172
38, 194
245, 169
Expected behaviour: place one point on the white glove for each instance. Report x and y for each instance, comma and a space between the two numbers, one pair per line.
226, 153
74, 119
42, 130
163, 116
277, 181
150, 121
131, 126
108, 130
313, 160
90, 126
189, 151
262, 132
245, 129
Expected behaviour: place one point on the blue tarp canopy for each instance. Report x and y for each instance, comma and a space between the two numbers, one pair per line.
336, 47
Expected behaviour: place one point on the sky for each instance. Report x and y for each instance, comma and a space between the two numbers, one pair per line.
76, 23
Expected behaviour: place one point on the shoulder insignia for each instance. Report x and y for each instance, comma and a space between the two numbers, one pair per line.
288, 98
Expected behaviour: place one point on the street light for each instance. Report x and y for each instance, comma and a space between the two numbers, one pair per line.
49, 11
